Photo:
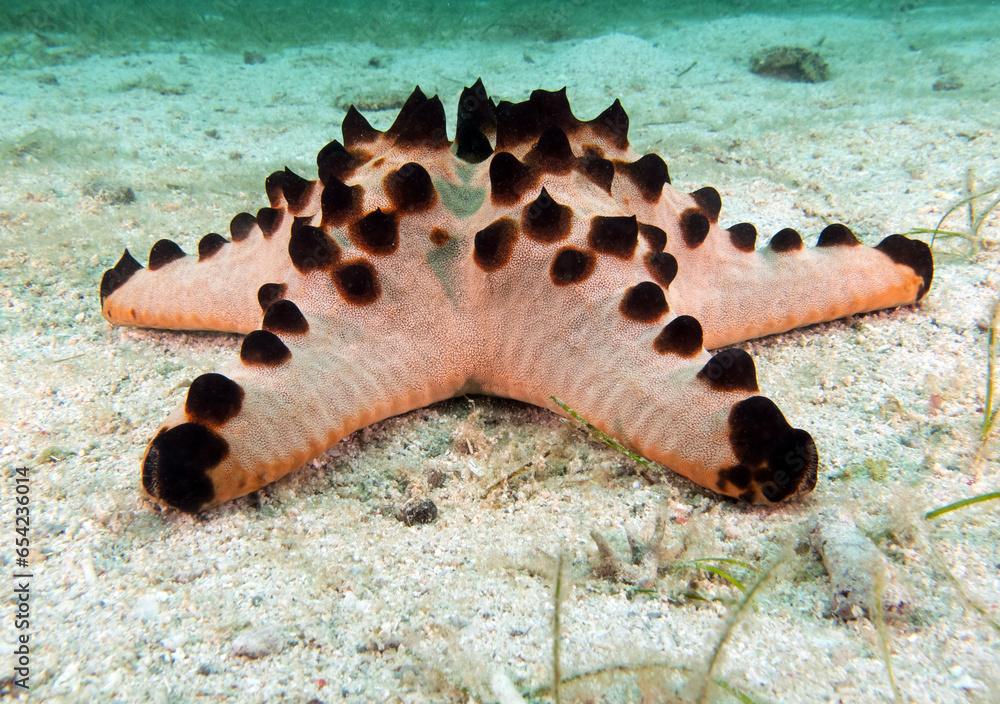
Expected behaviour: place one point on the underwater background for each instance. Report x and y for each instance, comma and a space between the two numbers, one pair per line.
228, 24
122, 123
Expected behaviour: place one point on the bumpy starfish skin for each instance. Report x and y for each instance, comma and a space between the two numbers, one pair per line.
535, 255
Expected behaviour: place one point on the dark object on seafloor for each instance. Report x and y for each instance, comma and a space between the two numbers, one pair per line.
947, 83
790, 63
417, 511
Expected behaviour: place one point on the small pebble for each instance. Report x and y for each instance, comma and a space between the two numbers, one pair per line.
174, 641
258, 642
378, 646
147, 607
417, 511
436, 479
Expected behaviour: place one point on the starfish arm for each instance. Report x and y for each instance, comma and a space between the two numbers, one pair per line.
369, 335
215, 289
609, 348
739, 292
229, 282
293, 393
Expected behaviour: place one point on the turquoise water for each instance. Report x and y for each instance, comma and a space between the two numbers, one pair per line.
226, 24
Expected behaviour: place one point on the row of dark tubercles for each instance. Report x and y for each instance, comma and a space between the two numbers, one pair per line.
729, 370
547, 221
743, 237
176, 465
263, 347
165, 251
309, 248
695, 224
420, 123
511, 178
545, 117
511, 124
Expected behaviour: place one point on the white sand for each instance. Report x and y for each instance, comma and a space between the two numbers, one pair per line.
316, 577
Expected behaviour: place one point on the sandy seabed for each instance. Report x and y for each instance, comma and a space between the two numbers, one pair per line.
312, 589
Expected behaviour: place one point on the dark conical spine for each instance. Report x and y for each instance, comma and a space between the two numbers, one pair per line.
516, 123
477, 119
116, 276
411, 105
612, 125
210, 244
509, 178
649, 173
553, 110
425, 127
710, 202
286, 186
552, 152
164, 252
334, 161
357, 130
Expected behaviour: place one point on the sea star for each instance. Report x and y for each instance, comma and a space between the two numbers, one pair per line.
533, 256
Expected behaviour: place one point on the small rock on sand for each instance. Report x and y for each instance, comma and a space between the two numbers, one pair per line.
258, 642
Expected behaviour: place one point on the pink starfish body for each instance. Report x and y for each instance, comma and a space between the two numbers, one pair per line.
534, 255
